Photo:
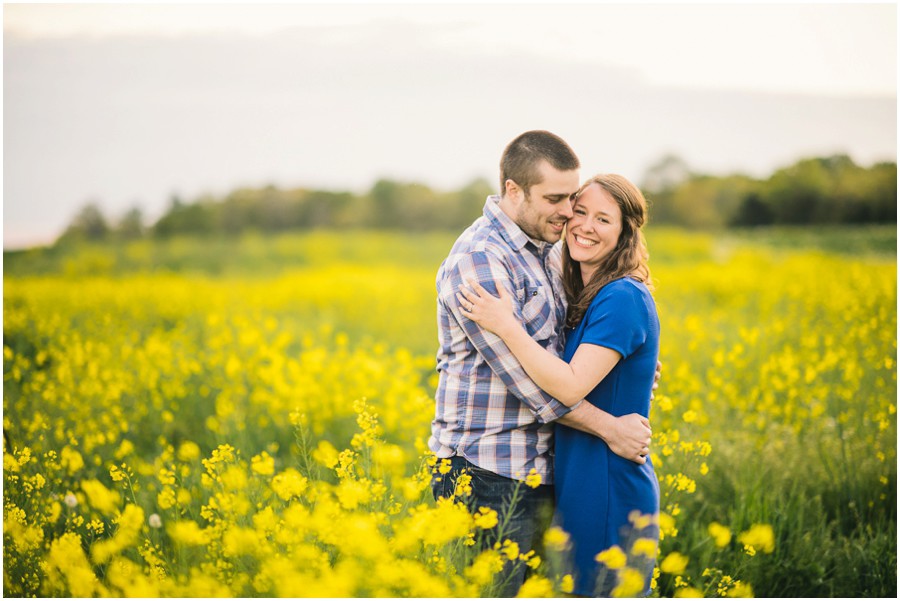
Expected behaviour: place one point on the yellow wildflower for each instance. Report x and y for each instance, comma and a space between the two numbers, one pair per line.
536, 586
759, 536
326, 454
486, 518
463, 486
188, 451
630, 583
71, 459
674, 563
720, 534
166, 498
351, 493
688, 592
289, 484
187, 533
741, 589
99, 497
666, 525
509, 548
263, 464
614, 557
390, 457
645, 547
484, 567
640, 520
556, 539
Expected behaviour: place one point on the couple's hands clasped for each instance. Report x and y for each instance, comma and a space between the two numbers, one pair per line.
628, 435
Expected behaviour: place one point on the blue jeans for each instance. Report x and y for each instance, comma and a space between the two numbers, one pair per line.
527, 523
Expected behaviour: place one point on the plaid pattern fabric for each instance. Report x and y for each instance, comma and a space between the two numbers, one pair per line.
487, 408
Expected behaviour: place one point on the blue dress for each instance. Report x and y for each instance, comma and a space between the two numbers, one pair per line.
596, 490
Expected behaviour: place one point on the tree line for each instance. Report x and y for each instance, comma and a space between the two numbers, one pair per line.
818, 191
828, 190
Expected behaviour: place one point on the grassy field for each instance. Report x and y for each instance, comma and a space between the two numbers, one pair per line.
248, 418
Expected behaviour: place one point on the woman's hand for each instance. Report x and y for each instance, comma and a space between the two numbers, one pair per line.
491, 313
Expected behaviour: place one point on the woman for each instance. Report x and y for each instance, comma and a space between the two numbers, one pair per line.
612, 345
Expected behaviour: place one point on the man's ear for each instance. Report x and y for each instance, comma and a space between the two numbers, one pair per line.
513, 191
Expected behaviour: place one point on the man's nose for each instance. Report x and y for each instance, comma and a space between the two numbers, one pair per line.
566, 209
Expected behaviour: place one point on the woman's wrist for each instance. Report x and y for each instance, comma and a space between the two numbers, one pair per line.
507, 330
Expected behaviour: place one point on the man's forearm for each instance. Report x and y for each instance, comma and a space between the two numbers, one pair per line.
587, 418
627, 436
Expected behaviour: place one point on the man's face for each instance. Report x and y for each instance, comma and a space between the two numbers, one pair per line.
542, 212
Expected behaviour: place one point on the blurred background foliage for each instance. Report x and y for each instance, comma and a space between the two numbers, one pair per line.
817, 191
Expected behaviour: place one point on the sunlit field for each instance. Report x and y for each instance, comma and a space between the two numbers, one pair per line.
248, 418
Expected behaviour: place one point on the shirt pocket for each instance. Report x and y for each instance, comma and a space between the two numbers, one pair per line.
538, 310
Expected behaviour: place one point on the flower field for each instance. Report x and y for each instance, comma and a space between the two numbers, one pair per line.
251, 421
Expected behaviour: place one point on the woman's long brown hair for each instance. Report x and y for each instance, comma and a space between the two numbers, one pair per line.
628, 258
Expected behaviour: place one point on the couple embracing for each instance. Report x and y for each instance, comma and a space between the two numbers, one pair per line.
548, 357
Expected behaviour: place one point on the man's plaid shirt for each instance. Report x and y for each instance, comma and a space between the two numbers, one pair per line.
487, 408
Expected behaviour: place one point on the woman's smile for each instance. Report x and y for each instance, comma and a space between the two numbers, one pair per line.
581, 241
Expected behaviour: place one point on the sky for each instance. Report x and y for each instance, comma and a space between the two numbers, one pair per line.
126, 105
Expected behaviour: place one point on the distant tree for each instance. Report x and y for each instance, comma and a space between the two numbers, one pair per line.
468, 203
88, 224
384, 197
666, 174
752, 211
277, 210
401, 205
322, 208
239, 211
182, 218
659, 184
882, 189
807, 191
131, 225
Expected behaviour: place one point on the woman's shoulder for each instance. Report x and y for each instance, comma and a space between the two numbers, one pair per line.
623, 294
627, 286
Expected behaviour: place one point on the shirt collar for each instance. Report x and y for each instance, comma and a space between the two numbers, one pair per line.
508, 229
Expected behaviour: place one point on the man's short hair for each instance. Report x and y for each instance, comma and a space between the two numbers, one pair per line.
522, 156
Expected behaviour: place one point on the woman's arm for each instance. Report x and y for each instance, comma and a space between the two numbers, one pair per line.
567, 382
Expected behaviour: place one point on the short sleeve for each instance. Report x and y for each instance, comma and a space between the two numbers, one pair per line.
617, 318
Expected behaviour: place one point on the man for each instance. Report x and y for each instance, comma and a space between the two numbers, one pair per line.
491, 420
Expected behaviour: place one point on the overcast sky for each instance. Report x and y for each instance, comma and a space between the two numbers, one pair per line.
125, 105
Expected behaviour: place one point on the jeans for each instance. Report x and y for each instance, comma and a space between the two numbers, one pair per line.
529, 519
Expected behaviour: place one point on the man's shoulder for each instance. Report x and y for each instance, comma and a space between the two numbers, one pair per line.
480, 240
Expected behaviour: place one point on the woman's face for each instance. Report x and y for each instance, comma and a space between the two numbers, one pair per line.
594, 229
